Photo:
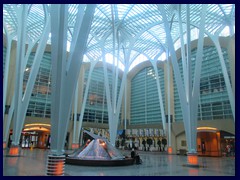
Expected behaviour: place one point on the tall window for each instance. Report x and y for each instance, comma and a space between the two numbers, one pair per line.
96, 105
40, 101
145, 106
213, 102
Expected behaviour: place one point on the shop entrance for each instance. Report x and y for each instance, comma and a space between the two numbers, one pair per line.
227, 143
34, 135
208, 141
212, 142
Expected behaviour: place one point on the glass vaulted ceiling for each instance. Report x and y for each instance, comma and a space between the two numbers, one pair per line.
137, 26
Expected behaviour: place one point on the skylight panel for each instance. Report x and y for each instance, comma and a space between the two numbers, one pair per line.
225, 32
163, 57
122, 10
227, 8
139, 59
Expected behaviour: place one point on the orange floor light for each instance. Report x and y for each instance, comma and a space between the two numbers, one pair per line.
59, 168
169, 150
14, 150
75, 146
192, 159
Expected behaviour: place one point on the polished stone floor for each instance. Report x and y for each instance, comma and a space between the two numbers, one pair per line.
33, 163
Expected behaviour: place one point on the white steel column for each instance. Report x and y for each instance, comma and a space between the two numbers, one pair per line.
6, 123
186, 103
125, 107
182, 46
66, 72
179, 82
75, 114
197, 77
9, 120
120, 98
22, 12
21, 103
188, 74
93, 63
168, 99
154, 63
107, 90
113, 117
6, 68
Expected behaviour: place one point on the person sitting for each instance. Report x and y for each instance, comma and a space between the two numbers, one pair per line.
135, 156
137, 159
133, 153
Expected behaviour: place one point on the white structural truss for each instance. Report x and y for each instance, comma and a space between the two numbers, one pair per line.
188, 97
21, 99
65, 71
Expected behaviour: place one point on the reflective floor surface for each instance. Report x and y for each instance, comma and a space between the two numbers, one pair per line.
33, 163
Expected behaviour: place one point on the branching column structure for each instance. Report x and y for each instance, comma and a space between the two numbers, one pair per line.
169, 105
113, 110
154, 63
93, 63
21, 100
65, 73
188, 97
74, 143
114, 104
225, 74
5, 84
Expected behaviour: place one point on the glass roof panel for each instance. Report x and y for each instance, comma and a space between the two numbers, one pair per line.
137, 25
35, 21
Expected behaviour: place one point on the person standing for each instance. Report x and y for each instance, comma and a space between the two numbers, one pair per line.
203, 148
144, 144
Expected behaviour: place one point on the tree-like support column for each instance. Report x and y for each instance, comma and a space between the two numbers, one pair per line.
65, 73
188, 90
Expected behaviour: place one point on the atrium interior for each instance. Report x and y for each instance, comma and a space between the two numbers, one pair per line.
157, 78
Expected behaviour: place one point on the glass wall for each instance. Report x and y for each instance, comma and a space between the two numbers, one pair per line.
96, 105
214, 102
40, 101
145, 106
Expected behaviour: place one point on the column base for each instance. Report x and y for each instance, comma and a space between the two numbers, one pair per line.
13, 151
55, 165
169, 150
192, 160
75, 145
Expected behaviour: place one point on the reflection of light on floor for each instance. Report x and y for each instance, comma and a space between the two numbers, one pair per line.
101, 174
170, 158
169, 150
193, 172
12, 161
